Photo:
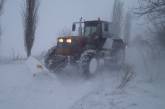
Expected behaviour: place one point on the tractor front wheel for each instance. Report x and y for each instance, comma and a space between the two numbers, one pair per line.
89, 63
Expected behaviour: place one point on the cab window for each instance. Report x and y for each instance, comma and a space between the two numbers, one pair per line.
106, 27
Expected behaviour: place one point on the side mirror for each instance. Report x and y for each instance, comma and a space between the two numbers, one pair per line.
73, 27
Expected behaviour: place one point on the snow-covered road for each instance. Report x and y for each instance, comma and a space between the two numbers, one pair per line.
139, 93
19, 89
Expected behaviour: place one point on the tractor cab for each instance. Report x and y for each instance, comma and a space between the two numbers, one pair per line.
91, 35
95, 32
92, 28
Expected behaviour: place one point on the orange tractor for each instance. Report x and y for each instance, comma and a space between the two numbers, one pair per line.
93, 45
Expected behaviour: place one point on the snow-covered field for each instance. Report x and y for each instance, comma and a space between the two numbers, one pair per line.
20, 89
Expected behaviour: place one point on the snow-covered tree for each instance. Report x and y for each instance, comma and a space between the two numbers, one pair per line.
127, 27
2, 2
30, 17
117, 17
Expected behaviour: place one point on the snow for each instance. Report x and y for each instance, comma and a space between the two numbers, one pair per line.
93, 66
20, 88
138, 93
131, 98
35, 66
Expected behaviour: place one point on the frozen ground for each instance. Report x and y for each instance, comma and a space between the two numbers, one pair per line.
20, 89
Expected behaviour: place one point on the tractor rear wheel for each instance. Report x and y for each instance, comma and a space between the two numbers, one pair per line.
118, 53
118, 59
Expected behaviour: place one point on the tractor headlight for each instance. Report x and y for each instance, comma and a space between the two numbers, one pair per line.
69, 40
61, 40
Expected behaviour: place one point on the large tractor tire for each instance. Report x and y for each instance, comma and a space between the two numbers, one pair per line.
120, 58
54, 62
89, 63
118, 53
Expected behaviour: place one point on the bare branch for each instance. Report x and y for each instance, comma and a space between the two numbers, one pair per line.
155, 12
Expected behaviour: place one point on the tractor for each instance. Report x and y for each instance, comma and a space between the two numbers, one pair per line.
94, 46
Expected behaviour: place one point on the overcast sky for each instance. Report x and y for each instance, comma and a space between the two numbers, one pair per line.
54, 16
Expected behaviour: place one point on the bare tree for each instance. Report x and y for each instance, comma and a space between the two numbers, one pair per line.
155, 12
151, 6
30, 18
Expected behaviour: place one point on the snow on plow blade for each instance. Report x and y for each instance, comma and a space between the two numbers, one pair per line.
35, 66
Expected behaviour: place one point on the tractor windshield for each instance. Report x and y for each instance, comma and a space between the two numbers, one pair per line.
90, 29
